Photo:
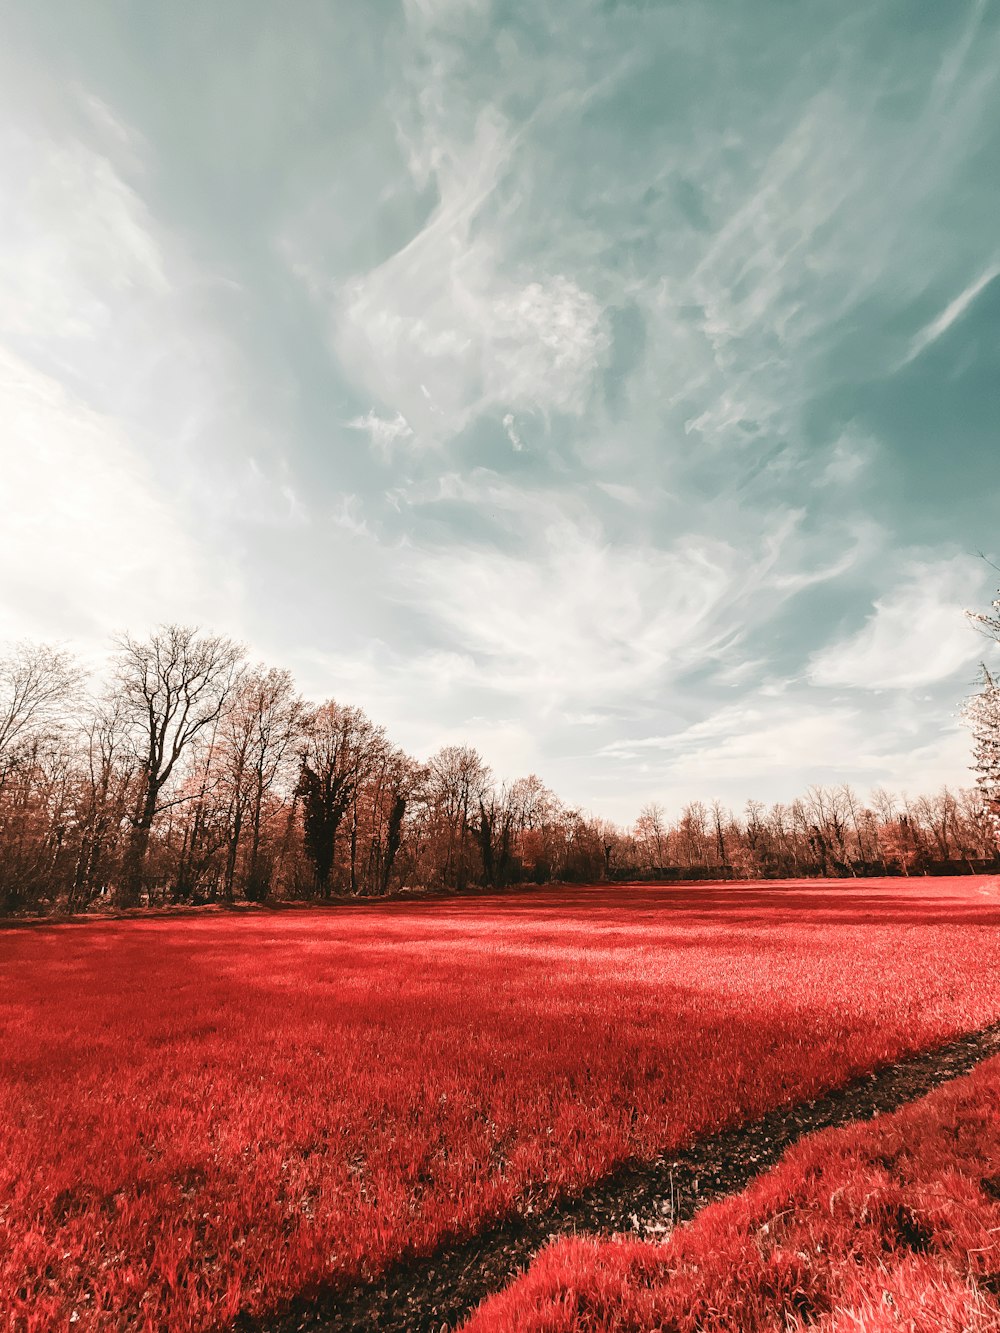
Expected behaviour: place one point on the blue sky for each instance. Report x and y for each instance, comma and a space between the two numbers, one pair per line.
612, 386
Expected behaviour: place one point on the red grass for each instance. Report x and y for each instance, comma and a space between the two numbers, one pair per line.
203, 1115
890, 1224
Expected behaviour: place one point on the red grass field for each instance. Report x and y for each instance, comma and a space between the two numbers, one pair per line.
891, 1224
206, 1114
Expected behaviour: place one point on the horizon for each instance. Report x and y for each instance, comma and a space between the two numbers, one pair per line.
602, 395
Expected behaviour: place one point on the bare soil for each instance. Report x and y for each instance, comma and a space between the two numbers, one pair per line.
644, 1199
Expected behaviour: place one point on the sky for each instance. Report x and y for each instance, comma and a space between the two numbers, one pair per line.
612, 386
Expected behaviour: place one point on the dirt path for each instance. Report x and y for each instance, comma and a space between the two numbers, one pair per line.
646, 1199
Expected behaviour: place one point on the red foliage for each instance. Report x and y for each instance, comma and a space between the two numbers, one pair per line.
205, 1115
891, 1224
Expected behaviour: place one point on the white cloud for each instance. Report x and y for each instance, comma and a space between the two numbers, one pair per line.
384, 432
450, 327
133, 439
787, 741
953, 310
762, 736
915, 636
629, 496
350, 516
444, 339
513, 434
813, 232
78, 241
86, 542
848, 458
566, 616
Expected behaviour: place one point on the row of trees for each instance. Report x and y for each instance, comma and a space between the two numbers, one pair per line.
829, 831
195, 775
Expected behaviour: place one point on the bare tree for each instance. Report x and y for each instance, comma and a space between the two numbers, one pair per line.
979, 831
755, 836
853, 810
339, 753
781, 836
540, 824
389, 797
692, 832
108, 773
827, 811
504, 816
38, 683
982, 713
720, 816
458, 780
651, 833
171, 687
257, 733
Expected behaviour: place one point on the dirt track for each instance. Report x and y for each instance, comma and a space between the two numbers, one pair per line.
645, 1199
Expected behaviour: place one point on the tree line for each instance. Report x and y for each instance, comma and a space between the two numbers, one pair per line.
195, 775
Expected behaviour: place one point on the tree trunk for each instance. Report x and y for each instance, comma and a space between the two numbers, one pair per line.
392, 839
134, 864
354, 846
233, 851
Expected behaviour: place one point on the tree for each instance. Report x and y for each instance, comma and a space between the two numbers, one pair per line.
978, 825
340, 750
692, 834
171, 688
507, 819
108, 774
257, 734
755, 839
986, 623
982, 713
826, 812
386, 849
587, 853
38, 683
539, 819
651, 834
457, 781
36, 807
718, 815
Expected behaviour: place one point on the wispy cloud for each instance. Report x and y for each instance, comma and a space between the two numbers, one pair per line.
953, 311
513, 434
384, 432
129, 438
791, 745
80, 239
565, 614
444, 334
916, 634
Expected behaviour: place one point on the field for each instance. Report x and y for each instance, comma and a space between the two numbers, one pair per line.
888, 1225
207, 1114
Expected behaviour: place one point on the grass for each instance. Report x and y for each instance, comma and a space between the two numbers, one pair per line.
203, 1116
891, 1224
